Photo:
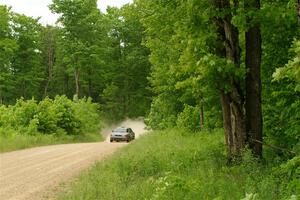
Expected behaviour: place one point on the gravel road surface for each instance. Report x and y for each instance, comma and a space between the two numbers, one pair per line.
32, 173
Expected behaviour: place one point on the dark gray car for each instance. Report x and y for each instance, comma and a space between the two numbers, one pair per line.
122, 134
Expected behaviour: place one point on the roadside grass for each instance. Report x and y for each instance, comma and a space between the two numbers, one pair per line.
177, 165
15, 141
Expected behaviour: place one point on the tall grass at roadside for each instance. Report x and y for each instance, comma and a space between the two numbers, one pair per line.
177, 165
16, 141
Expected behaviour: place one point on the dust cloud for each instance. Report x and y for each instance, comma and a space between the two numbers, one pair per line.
137, 125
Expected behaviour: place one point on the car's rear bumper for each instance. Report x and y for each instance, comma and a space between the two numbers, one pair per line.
119, 139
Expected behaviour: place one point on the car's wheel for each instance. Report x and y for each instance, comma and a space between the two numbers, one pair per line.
111, 140
128, 140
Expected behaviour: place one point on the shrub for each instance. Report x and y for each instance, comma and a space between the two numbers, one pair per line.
46, 117
58, 116
4, 116
189, 118
67, 120
163, 113
22, 112
30, 123
87, 114
289, 173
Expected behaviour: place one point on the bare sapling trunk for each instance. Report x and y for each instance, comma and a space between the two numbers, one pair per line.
1, 100
50, 68
253, 81
90, 82
66, 84
76, 75
201, 117
23, 89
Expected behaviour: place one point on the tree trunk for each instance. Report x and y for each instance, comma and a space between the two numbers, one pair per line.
90, 82
232, 102
46, 87
298, 12
253, 81
66, 85
76, 74
201, 117
225, 103
1, 101
50, 67
23, 89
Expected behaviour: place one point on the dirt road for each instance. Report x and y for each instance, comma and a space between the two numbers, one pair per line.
31, 173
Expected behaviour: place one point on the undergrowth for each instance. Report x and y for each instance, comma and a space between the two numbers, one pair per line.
177, 165
17, 141
29, 123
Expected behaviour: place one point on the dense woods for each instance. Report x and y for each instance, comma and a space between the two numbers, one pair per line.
88, 54
194, 64
225, 56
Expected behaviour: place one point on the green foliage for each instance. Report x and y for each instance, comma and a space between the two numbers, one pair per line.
22, 112
87, 113
87, 54
291, 71
175, 164
189, 118
126, 92
163, 112
280, 107
290, 172
184, 72
26, 63
188, 71
60, 117
112, 107
286, 109
47, 117
20, 58
220, 69
8, 46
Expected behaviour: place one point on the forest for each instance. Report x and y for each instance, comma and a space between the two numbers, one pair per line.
196, 65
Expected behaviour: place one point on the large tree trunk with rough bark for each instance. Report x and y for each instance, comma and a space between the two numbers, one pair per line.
232, 102
298, 12
253, 81
225, 103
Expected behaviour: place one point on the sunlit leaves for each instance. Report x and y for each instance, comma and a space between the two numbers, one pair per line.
291, 71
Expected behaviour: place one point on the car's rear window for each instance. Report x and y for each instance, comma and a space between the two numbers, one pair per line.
120, 130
